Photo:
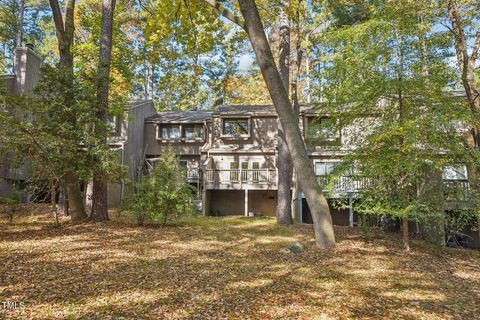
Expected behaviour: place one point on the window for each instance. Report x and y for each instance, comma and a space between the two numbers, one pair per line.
170, 131
193, 131
236, 127
256, 171
234, 171
324, 168
323, 130
244, 171
112, 125
455, 172
183, 163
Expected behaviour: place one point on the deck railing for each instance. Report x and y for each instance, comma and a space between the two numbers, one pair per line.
344, 184
192, 175
250, 176
456, 190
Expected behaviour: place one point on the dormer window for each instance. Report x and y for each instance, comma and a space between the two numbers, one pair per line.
170, 131
236, 127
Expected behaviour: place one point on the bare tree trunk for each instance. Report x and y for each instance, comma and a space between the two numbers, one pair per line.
53, 189
401, 119
62, 207
64, 31
406, 234
100, 187
296, 201
322, 220
284, 162
466, 64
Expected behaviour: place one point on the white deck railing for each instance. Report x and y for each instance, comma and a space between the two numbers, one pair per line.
345, 183
251, 176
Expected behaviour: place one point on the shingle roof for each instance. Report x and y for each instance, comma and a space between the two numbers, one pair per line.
246, 108
190, 116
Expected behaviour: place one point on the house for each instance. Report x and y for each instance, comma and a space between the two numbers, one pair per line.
127, 132
26, 74
231, 155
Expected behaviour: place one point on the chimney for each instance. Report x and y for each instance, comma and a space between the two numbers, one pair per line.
26, 69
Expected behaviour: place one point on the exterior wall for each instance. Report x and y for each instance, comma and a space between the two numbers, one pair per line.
130, 146
226, 202
262, 202
26, 76
232, 202
155, 146
263, 133
8, 81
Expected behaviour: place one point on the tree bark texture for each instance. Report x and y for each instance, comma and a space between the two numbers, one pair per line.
322, 220
100, 188
284, 161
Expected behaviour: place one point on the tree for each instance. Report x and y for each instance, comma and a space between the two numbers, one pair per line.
44, 145
322, 219
284, 162
163, 195
462, 25
386, 83
64, 25
100, 187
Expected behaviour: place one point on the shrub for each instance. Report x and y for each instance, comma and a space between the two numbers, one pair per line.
163, 195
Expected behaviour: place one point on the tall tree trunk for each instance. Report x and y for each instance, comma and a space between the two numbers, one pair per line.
466, 64
64, 32
406, 234
284, 162
401, 119
296, 201
322, 220
53, 191
62, 201
99, 195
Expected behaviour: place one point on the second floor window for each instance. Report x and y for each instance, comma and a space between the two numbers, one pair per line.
193, 132
323, 130
455, 172
170, 132
236, 127
325, 168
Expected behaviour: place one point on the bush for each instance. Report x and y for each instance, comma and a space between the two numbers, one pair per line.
163, 195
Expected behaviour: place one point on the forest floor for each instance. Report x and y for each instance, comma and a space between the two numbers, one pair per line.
225, 268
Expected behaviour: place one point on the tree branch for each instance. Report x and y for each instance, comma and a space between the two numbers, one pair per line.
224, 12
57, 16
69, 21
476, 47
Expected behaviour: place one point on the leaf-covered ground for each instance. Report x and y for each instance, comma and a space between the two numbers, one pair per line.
226, 268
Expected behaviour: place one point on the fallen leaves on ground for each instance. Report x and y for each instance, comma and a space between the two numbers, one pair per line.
226, 268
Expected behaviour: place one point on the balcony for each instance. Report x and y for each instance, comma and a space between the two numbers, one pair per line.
241, 179
343, 185
192, 175
456, 190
